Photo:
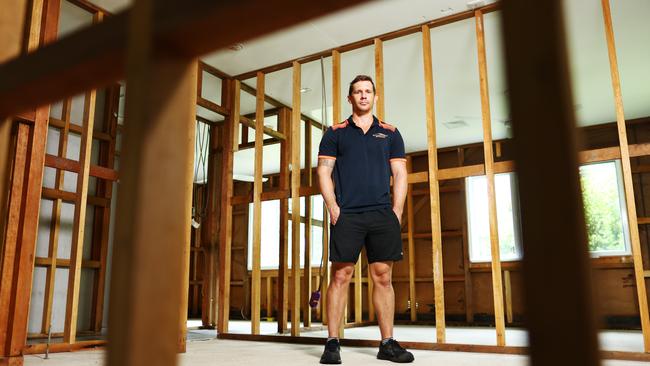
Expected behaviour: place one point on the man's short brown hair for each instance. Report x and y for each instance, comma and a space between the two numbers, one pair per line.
359, 78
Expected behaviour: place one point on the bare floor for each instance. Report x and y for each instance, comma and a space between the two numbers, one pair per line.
204, 349
227, 352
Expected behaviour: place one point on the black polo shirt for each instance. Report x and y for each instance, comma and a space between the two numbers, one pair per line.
362, 169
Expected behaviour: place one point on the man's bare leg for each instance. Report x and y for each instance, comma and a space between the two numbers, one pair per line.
337, 295
383, 296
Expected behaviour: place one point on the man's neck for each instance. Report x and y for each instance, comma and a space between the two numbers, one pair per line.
364, 120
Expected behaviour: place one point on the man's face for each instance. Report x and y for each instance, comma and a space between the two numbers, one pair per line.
363, 97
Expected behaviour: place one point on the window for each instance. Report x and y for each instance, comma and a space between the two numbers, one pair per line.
271, 233
507, 218
605, 208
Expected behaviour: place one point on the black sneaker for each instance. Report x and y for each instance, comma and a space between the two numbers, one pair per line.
392, 351
332, 353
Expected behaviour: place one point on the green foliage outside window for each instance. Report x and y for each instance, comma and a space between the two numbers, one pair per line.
602, 202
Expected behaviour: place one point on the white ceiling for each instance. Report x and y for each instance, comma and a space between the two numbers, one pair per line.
455, 67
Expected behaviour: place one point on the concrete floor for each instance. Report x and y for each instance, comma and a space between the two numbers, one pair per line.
204, 349
236, 353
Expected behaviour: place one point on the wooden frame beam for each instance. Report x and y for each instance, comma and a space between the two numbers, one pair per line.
434, 195
497, 282
410, 227
295, 200
190, 28
152, 236
551, 206
257, 207
307, 277
627, 178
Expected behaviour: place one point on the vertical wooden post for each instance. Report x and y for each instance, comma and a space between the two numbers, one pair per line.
410, 217
358, 292
633, 225
50, 276
269, 297
24, 25
307, 277
336, 87
257, 207
295, 200
284, 120
497, 283
78, 227
326, 265
434, 194
508, 290
549, 187
225, 225
379, 78
152, 233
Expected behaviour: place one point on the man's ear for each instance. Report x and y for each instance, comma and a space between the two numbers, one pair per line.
349, 98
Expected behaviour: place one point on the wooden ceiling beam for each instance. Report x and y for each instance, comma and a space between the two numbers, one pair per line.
94, 57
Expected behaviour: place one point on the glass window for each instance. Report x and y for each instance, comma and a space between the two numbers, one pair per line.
507, 217
605, 209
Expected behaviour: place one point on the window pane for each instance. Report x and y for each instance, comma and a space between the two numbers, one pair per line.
604, 216
478, 218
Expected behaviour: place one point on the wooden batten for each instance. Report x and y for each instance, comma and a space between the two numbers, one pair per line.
227, 185
307, 278
336, 87
497, 282
627, 178
434, 195
358, 292
410, 218
257, 208
55, 223
284, 120
556, 288
152, 231
295, 200
379, 79
78, 228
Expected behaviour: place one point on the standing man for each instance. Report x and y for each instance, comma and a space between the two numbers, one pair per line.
356, 160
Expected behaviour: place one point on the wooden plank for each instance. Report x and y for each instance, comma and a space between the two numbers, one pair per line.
284, 122
55, 222
379, 79
627, 178
549, 186
326, 265
152, 231
79, 221
336, 87
269, 298
497, 282
643, 220
358, 292
469, 296
211, 106
295, 200
410, 218
419, 177
107, 152
307, 277
10, 246
257, 208
508, 293
225, 233
70, 165
190, 27
434, 195
267, 131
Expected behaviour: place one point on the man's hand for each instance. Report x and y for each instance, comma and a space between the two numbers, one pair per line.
335, 212
398, 213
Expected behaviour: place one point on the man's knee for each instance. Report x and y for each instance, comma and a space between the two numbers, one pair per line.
381, 274
342, 275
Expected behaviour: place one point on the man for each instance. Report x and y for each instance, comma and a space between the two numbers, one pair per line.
362, 153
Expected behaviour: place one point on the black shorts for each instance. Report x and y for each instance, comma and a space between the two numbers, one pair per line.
378, 230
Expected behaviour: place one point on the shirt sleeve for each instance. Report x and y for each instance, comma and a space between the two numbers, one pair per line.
328, 145
397, 147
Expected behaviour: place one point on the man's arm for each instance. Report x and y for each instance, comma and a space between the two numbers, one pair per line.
400, 186
324, 170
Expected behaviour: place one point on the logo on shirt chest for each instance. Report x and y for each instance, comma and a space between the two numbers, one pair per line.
380, 135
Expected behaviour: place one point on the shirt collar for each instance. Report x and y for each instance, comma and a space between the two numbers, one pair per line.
375, 122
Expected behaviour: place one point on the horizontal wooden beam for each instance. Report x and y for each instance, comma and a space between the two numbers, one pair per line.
73, 166
53, 194
65, 263
267, 131
212, 106
370, 41
95, 56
